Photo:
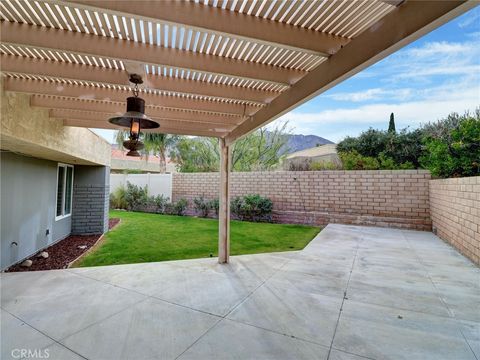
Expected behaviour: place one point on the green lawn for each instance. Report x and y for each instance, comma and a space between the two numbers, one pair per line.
142, 237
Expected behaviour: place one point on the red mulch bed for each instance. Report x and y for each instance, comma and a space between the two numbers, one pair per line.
62, 253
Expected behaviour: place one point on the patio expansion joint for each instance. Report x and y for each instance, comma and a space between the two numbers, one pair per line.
221, 318
437, 293
344, 298
147, 297
224, 317
468, 343
44, 334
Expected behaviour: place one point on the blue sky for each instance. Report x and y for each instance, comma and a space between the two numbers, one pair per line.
424, 81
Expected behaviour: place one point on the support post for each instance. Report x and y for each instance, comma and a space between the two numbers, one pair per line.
224, 209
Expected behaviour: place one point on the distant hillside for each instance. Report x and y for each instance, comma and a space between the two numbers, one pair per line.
302, 142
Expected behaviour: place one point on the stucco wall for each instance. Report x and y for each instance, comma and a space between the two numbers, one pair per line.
28, 189
30, 131
383, 198
455, 211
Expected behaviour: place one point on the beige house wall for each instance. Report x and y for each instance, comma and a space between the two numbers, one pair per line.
119, 165
30, 131
383, 198
455, 211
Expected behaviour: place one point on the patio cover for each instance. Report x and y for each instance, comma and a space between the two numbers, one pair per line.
218, 68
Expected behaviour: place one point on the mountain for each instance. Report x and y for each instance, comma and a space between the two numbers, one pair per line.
302, 142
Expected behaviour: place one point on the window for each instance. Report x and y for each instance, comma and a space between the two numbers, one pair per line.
64, 191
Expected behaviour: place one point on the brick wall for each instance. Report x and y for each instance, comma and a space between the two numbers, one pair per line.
89, 214
91, 189
455, 212
382, 198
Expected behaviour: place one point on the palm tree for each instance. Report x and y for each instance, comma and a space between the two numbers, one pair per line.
155, 143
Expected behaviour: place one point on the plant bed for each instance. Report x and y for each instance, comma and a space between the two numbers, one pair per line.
62, 253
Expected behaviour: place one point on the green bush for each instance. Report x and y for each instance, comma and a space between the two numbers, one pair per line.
352, 160
391, 150
117, 199
252, 208
215, 205
309, 165
136, 197
325, 165
160, 202
179, 208
202, 206
453, 146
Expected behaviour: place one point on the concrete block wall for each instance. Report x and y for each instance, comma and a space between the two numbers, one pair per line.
455, 213
90, 200
381, 198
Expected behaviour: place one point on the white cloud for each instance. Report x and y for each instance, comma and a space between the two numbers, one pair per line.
473, 18
422, 63
372, 94
412, 113
369, 94
440, 48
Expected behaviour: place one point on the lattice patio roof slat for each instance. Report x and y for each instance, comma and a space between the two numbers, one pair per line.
257, 57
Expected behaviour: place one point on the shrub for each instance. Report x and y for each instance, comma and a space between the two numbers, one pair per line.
298, 165
215, 205
453, 146
352, 160
202, 206
177, 208
252, 208
136, 196
160, 202
401, 149
117, 199
309, 165
325, 165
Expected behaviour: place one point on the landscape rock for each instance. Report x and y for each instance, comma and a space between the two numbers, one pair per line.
43, 254
27, 263
82, 247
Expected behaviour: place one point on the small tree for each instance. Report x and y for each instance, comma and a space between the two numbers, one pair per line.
155, 143
259, 151
391, 124
453, 146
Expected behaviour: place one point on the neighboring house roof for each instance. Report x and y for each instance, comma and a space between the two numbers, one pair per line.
317, 151
120, 161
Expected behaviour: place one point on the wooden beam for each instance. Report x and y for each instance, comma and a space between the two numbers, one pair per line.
393, 2
162, 130
113, 48
224, 203
400, 27
100, 117
57, 102
211, 19
64, 70
117, 95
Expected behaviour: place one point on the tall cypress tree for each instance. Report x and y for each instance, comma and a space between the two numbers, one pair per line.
391, 124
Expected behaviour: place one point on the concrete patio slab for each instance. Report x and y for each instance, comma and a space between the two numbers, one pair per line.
353, 293
151, 329
233, 340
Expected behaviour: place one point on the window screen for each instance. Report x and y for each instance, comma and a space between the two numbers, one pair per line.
64, 190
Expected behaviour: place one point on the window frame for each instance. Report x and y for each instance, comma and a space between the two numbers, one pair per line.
63, 215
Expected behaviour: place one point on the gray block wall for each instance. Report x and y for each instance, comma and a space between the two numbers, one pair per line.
28, 198
90, 200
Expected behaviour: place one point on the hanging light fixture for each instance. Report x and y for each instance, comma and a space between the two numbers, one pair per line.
134, 119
